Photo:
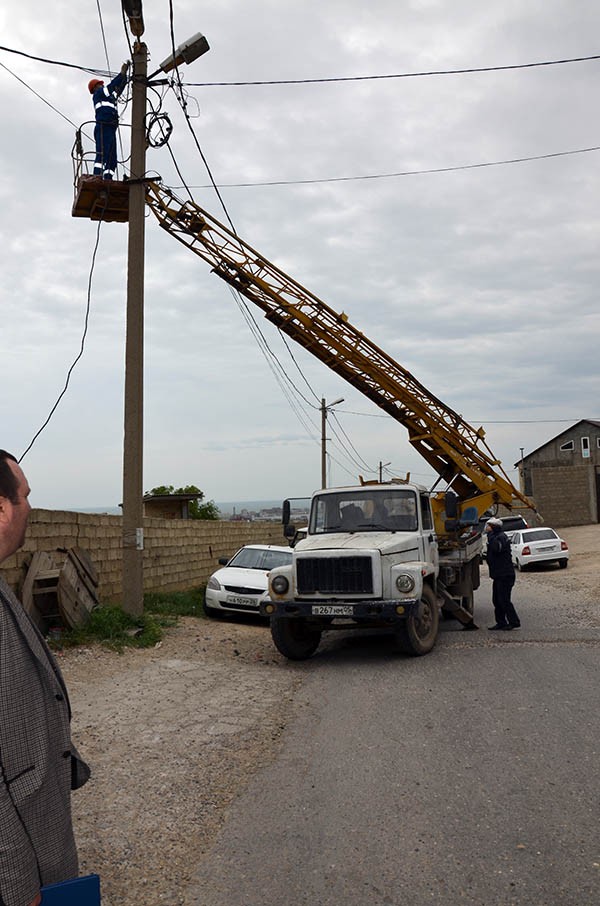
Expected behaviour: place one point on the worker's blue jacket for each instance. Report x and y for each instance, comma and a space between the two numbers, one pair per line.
105, 99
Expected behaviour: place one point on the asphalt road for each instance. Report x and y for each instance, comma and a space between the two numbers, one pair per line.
469, 776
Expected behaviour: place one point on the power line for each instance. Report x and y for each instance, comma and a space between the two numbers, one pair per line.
485, 421
280, 374
365, 78
399, 173
29, 56
102, 32
317, 180
397, 75
81, 348
358, 460
33, 91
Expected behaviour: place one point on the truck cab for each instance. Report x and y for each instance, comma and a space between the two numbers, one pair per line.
370, 559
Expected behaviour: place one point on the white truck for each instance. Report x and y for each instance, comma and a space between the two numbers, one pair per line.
372, 558
397, 571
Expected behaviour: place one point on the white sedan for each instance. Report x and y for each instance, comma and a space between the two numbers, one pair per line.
538, 545
243, 582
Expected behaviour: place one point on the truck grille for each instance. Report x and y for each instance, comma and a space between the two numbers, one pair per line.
334, 575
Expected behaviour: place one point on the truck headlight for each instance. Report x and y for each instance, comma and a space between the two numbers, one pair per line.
280, 585
405, 583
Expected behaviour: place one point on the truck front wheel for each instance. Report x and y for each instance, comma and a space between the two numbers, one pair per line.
294, 637
418, 634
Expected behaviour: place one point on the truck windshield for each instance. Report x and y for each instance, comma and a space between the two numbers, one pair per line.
393, 510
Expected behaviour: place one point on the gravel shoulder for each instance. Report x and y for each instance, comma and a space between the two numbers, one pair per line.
174, 734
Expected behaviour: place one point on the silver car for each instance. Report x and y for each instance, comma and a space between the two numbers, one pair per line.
538, 545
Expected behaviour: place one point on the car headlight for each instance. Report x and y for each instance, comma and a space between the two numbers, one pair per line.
280, 585
214, 584
405, 583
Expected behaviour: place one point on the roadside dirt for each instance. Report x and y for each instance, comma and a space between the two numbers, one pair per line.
174, 733
581, 580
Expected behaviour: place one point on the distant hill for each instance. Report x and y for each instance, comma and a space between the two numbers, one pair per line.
228, 506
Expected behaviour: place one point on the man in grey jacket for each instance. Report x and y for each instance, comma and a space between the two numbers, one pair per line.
38, 763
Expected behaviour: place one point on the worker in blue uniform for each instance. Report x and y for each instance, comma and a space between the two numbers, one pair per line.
104, 98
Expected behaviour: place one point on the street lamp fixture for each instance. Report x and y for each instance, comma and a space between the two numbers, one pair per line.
187, 52
133, 11
325, 408
382, 466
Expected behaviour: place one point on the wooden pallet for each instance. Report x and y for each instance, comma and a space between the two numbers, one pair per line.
60, 595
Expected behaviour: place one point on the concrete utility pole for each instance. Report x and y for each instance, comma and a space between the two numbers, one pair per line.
324, 410
133, 445
133, 449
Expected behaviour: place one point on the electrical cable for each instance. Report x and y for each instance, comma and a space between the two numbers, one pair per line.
485, 421
341, 427
126, 30
182, 104
429, 170
246, 313
400, 75
103, 34
397, 75
33, 91
242, 305
29, 56
253, 325
319, 180
300, 372
81, 349
272, 361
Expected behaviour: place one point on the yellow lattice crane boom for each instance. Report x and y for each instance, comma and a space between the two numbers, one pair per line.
454, 449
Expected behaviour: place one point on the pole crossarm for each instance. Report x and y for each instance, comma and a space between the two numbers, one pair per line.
453, 448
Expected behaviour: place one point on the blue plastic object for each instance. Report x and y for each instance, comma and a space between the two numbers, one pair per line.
77, 892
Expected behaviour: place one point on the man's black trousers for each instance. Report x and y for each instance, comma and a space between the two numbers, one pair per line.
504, 610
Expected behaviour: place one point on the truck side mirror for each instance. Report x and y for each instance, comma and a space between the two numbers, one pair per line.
289, 531
285, 513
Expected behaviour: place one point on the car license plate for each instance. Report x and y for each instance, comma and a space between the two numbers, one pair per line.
241, 601
332, 610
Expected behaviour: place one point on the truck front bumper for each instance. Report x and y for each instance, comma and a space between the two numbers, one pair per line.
363, 611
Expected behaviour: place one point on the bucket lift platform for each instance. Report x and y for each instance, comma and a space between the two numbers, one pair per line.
101, 199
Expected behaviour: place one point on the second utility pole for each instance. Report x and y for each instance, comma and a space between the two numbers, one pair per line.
133, 446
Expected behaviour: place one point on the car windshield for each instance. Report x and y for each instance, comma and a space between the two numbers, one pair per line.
259, 558
543, 534
394, 510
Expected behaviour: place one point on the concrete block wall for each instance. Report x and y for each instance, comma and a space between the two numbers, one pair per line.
564, 495
178, 554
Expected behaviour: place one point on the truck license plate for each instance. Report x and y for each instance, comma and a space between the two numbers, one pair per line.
332, 610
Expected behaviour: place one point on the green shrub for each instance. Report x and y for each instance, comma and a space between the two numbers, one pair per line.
110, 626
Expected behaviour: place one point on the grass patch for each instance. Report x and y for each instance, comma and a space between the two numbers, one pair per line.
116, 629
176, 603
112, 627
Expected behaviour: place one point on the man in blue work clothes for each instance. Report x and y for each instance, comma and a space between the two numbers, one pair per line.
107, 119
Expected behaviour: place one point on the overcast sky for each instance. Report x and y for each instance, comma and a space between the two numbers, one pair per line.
483, 281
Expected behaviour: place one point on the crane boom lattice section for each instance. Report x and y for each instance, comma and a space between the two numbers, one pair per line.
453, 448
